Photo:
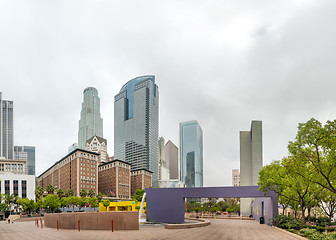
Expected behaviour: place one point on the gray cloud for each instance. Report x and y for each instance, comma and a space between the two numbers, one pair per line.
221, 63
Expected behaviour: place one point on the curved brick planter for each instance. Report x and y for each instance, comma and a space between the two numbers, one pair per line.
200, 223
93, 220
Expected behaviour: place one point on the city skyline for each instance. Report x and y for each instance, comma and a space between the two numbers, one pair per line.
233, 63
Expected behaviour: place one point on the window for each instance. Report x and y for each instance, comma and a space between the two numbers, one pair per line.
16, 187
24, 189
7, 184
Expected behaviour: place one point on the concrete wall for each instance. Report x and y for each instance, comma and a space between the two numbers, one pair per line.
257, 209
94, 220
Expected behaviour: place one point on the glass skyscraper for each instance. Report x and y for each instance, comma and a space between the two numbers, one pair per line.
191, 154
6, 129
90, 123
136, 124
26, 153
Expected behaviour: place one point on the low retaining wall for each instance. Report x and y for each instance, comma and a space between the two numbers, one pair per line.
93, 220
200, 223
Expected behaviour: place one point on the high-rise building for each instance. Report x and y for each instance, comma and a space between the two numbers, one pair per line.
163, 168
72, 147
251, 161
98, 145
191, 154
140, 179
171, 157
90, 123
6, 129
136, 125
27, 153
235, 177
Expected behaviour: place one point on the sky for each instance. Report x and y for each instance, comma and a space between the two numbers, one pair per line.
222, 63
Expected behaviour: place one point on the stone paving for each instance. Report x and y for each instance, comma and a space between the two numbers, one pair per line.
219, 229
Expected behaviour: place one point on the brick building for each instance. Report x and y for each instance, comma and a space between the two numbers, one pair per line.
140, 179
114, 179
77, 170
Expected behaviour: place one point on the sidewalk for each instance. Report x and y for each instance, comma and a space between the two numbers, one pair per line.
219, 229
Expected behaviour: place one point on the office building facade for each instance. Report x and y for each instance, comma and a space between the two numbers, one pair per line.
114, 179
136, 125
251, 161
235, 177
18, 166
77, 170
98, 145
26, 153
140, 179
171, 158
6, 128
191, 154
90, 123
18, 185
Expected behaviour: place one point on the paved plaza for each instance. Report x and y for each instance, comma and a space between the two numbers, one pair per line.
219, 229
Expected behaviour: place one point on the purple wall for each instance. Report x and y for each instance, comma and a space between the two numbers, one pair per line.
257, 209
167, 204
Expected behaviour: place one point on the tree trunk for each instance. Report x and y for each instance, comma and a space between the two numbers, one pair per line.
309, 214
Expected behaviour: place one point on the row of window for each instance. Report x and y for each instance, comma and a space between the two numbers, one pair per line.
16, 187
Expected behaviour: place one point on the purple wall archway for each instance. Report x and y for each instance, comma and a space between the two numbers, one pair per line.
167, 204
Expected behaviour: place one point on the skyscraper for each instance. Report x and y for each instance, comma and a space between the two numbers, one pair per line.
27, 153
90, 123
6, 129
191, 154
251, 161
171, 157
136, 124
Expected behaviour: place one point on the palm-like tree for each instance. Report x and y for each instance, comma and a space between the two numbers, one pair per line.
70, 193
100, 196
39, 192
50, 189
83, 193
9, 199
60, 193
91, 193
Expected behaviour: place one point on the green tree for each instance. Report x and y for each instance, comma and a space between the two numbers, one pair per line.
70, 193
328, 204
138, 195
60, 193
315, 145
106, 203
91, 193
81, 202
39, 192
100, 197
64, 202
83, 193
50, 189
72, 200
51, 202
93, 201
27, 205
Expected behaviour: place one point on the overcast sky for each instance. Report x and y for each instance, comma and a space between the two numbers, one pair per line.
222, 63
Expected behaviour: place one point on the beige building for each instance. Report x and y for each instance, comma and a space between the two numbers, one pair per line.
140, 179
114, 179
98, 145
171, 157
77, 170
13, 166
235, 177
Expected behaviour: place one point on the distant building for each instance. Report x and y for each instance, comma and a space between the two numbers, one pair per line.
140, 179
72, 147
163, 168
77, 170
251, 161
26, 153
98, 145
235, 177
191, 154
172, 183
18, 167
90, 123
114, 179
136, 125
6, 128
18, 185
171, 158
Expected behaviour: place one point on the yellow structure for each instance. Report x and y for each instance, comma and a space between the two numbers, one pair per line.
121, 206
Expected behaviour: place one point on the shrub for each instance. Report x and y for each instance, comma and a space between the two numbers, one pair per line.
285, 222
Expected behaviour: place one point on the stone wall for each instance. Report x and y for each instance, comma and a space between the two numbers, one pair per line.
94, 220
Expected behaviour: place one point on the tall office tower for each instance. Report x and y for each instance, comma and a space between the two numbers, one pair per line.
26, 153
6, 129
191, 154
171, 157
91, 123
136, 125
163, 168
235, 177
251, 161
